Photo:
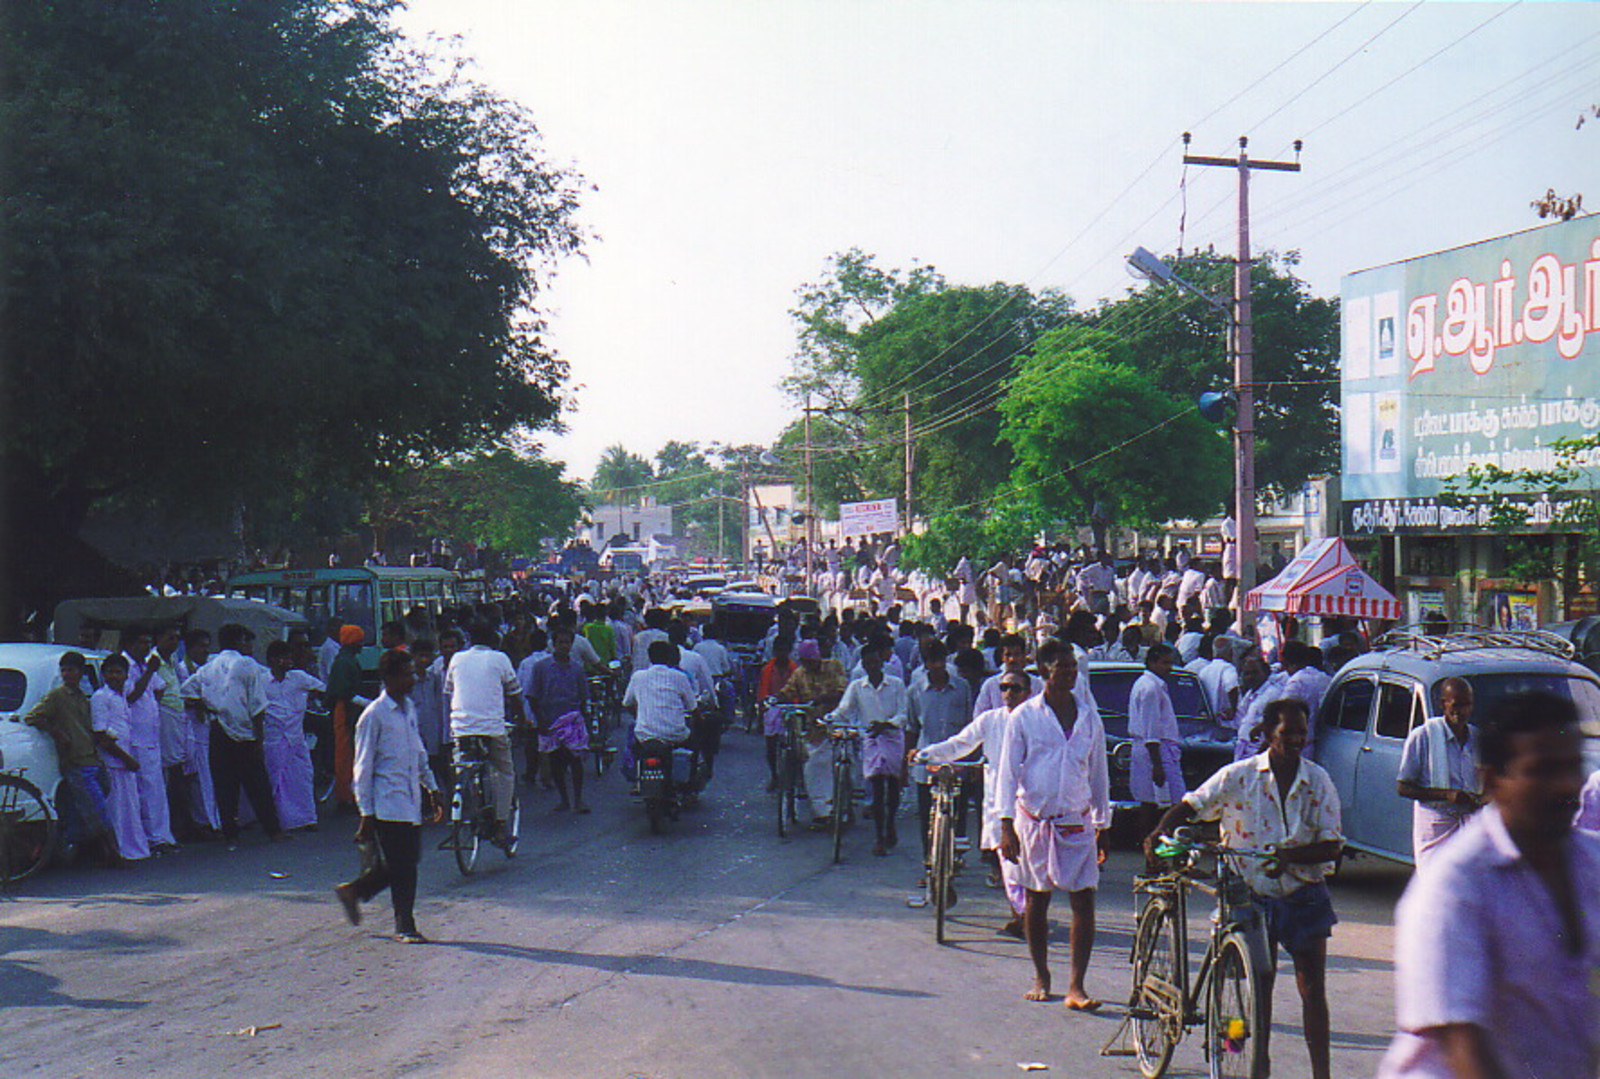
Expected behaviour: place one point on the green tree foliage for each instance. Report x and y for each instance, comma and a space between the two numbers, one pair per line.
1567, 494
619, 476
255, 248
1079, 418
503, 499
1001, 532
869, 336
1181, 344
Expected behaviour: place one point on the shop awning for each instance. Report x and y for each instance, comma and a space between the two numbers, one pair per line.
1324, 579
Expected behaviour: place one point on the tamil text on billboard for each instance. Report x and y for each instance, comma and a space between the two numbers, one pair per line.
1486, 354
869, 518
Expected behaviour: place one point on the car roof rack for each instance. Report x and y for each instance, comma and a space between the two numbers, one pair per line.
1466, 638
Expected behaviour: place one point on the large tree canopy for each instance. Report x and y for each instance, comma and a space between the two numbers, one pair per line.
1089, 428
1181, 344
253, 246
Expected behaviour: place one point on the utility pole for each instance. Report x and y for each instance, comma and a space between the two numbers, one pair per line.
909, 460
811, 524
1244, 431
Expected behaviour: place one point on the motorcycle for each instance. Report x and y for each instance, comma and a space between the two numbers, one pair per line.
663, 794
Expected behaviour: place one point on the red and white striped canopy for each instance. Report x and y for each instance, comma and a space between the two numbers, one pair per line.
1324, 578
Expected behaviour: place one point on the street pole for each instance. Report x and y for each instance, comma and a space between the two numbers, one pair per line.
810, 509
1244, 431
909, 459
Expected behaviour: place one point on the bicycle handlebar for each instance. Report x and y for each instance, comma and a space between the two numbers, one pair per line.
1174, 846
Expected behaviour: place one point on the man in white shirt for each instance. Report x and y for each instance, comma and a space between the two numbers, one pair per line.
476, 684
328, 650
661, 697
1498, 942
1307, 681
655, 630
1220, 679
1013, 660
1258, 687
231, 689
391, 774
876, 704
1054, 799
1439, 772
1155, 771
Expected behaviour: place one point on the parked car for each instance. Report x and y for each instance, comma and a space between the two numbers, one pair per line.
27, 673
1207, 745
1378, 698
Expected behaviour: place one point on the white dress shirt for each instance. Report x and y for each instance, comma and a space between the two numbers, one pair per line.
286, 705
1049, 773
864, 704
662, 698
691, 664
231, 687
476, 684
715, 655
391, 765
1219, 678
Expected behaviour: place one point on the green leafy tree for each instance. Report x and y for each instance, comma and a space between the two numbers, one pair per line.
1567, 494
1181, 344
1089, 429
1001, 531
619, 476
253, 250
503, 499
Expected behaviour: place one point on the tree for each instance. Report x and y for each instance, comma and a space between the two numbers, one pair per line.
868, 337
1181, 345
1087, 428
502, 499
619, 477
252, 250
999, 532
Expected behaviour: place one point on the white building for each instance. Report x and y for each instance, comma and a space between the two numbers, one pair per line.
639, 523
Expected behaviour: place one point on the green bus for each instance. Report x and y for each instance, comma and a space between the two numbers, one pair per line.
365, 596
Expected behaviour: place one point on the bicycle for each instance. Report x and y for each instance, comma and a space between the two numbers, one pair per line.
1229, 993
846, 739
472, 819
603, 714
27, 828
791, 761
943, 863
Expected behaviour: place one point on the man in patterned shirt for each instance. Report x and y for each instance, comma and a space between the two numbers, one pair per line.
1278, 800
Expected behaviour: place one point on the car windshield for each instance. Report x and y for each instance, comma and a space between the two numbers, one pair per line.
1489, 688
1112, 688
13, 689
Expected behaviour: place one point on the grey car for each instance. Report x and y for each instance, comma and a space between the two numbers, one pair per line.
1376, 700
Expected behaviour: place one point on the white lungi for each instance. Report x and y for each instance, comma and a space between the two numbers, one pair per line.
1141, 784
819, 778
1060, 854
126, 812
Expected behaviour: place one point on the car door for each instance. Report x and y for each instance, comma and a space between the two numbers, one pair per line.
1383, 817
1341, 734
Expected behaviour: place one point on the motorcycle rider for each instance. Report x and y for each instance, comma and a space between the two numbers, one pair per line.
661, 697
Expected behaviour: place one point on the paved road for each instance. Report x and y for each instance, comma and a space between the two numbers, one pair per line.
600, 952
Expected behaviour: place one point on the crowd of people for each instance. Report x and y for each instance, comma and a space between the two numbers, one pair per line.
176, 742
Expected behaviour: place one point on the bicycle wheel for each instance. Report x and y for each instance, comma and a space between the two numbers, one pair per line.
513, 825
942, 848
841, 801
785, 785
1236, 1043
1158, 1003
27, 831
464, 838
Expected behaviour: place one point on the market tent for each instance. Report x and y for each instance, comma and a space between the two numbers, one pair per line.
1324, 578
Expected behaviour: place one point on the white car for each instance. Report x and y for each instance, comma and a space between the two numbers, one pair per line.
27, 673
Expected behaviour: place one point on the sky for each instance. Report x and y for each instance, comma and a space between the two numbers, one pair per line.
735, 145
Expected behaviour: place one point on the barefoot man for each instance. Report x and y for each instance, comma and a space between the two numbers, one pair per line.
1054, 801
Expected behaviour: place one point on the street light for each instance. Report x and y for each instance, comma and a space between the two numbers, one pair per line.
1154, 269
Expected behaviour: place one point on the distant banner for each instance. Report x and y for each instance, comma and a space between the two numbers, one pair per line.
867, 518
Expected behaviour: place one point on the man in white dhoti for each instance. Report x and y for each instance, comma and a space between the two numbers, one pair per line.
1054, 800
1155, 771
1439, 771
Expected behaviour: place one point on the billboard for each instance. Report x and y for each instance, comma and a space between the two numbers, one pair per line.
869, 518
1485, 354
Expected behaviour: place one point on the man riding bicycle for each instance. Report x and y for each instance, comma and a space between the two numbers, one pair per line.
478, 683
